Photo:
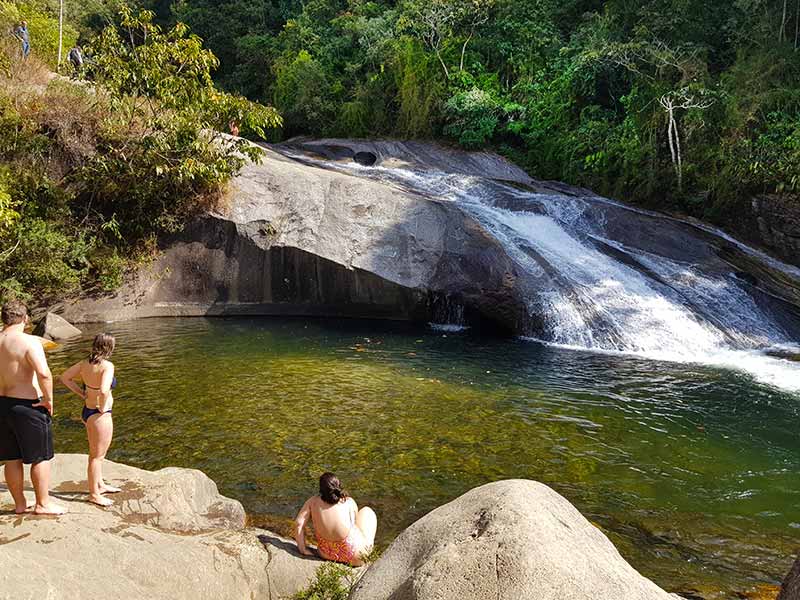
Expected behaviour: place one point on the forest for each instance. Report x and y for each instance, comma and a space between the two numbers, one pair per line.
685, 106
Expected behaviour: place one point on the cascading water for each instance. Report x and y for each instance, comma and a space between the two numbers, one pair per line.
618, 279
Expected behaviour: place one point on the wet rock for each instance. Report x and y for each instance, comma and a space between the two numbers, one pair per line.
169, 535
510, 540
777, 225
790, 590
365, 158
56, 328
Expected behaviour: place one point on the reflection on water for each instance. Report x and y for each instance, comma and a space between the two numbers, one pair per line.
693, 472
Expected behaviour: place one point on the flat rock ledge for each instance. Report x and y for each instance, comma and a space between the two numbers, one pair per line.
170, 534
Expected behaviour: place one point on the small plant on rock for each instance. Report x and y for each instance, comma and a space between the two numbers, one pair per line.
331, 582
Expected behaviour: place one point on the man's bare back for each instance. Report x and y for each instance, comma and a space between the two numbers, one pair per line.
19, 352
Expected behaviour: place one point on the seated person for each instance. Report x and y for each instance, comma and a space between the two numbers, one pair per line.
344, 533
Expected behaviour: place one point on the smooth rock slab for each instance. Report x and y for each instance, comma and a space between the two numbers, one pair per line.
509, 540
170, 534
56, 328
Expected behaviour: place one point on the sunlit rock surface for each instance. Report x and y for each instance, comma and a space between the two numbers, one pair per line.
169, 534
509, 540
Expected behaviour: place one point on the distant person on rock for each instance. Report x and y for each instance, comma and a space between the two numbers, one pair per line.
26, 411
75, 57
97, 375
21, 33
344, 533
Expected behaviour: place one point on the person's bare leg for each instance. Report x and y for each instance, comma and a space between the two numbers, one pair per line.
104, 487
367, 522
15, 476
99, 429
40, 475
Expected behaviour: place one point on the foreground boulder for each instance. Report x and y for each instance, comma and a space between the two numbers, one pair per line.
56, 328
790, 590
170, 534
510, 540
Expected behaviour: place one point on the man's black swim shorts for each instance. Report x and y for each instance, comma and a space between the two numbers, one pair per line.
25, 432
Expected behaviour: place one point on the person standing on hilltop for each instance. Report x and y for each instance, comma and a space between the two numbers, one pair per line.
26, 411
21, 33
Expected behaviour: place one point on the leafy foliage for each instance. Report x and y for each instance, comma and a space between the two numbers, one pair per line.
331, 582
90, 176
572, 88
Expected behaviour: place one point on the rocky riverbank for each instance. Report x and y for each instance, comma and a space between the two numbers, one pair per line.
170, 534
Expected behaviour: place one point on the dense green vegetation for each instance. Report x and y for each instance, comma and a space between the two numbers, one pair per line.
90, 176
683, 105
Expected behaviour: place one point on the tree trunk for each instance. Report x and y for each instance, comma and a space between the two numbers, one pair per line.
60, 31
782, 32
464, 50
797, 26
680, 158
444, 66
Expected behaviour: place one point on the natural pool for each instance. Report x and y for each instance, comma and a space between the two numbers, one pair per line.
694, 472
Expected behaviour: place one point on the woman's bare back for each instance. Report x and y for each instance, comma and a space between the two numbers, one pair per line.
92, 376
332, 521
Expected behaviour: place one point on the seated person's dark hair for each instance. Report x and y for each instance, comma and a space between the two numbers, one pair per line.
330, 489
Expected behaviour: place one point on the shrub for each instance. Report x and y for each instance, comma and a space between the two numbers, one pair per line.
331, 582
89, 177
472, 117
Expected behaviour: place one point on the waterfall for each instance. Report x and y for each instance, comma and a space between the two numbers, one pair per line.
611, 278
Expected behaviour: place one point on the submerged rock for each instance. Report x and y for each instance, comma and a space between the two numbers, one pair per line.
169, 534
56, 328
510, 540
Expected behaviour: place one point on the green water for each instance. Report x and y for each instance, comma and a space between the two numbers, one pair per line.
693, 472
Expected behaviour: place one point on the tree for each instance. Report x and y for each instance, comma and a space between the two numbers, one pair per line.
165, 149
683, 99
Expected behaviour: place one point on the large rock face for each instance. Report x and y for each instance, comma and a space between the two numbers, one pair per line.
298, 240
169, 535
777, 220
415, 231
510, 540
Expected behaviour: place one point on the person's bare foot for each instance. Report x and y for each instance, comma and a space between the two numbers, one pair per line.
109, 489
51, 508
100, 501
25, 508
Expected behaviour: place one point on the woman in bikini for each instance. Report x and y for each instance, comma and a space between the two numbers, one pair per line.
97, 374
344, 533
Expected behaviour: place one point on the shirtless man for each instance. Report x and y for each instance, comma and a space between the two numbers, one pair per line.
26, 409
